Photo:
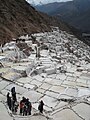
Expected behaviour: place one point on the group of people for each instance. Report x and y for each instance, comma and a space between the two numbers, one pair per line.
12, 100
24, 105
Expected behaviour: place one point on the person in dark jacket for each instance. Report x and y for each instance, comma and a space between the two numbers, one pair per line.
9, 101
22, 104
13, 94
29, 106
24, 110
8, 98
40, 107
21, 107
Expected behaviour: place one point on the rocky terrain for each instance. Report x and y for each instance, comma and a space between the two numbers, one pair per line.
55, 70
17, 17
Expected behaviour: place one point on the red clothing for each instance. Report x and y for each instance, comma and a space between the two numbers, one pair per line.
21, 105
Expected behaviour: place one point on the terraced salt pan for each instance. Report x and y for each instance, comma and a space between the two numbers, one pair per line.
41, 90
61, 76
77, 74
56, 82
44, 53
69, 83
49, 101
25, 60
70, 78
25, 80
38, 77
4, 70
50, 70
71, 92
39, 117
22, 63
47, 65
2, 57
20, 68
82, 80
85, 76
46, 109
36, 83
35, 106
88, 85
83, 110
32, 57
58, 65
45, 60
51, 94
53, 76
61, 104
45, 86
88, 99
53, 54
87, 67
83, 92
64, 96
10, 75
33, 95
36, 117
20, 118
40, 69
2, 98
29, 86
48, 80
57, 89
88, 82
3, 84
78, 84
7, 64
85, 71
4, 92
68, 65
3, 113
69, 74
19, 89
71, 70
0, 79
44, 75
66, 114
53, 89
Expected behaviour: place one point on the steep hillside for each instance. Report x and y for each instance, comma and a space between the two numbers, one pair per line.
17, 17
75, 13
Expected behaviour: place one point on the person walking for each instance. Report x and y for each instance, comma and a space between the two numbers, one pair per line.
40, 107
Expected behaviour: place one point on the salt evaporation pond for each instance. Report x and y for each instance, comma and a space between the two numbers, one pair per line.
60, 77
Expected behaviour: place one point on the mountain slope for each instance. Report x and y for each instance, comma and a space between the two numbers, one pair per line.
48, 8
43, 2
76, 13
17, 17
